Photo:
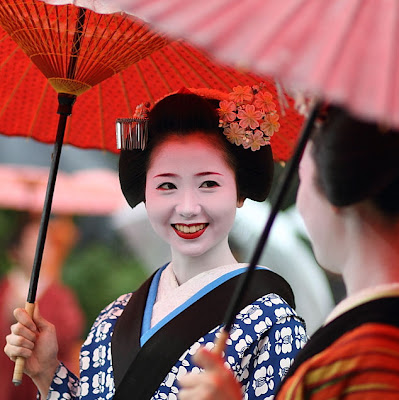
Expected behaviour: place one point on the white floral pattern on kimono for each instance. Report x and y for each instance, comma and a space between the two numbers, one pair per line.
264, 340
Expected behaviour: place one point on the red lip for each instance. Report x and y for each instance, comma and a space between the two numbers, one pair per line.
189, 236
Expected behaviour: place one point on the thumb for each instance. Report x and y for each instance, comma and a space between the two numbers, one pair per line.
208, 360
40, 322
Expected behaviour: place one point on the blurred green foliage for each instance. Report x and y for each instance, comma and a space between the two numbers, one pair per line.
99, 269
8, 221
99, 274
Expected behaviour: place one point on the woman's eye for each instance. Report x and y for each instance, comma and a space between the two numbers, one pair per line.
209, 184
166, 186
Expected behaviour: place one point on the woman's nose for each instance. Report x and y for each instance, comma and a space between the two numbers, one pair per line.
188, 205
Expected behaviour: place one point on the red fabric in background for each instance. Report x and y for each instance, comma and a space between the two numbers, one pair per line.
58, 305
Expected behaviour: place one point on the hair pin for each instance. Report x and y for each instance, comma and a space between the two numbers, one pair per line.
131, 133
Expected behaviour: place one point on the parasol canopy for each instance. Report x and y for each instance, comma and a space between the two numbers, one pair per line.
158, 66
343, 50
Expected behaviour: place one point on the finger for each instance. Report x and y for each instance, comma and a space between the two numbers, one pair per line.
21, 331
208, 360
191, 380
20, 341
41, 323
202, 386
191, 394
17, 351
185, 395
23, 317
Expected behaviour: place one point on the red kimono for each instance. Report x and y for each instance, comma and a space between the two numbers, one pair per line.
58, 305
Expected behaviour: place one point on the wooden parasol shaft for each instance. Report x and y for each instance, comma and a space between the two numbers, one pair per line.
281, 191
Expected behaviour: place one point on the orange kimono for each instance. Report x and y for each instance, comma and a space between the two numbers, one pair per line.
354, 357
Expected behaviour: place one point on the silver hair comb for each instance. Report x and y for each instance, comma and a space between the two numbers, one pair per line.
131, 133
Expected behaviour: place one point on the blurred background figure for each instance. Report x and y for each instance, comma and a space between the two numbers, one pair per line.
84, 247
57, 302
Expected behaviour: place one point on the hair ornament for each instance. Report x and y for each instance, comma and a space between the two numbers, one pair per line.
249, 117
132, 133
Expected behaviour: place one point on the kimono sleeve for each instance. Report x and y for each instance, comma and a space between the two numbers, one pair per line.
281, 335
65, 385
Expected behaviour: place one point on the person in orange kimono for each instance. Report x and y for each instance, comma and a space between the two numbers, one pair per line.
349, 200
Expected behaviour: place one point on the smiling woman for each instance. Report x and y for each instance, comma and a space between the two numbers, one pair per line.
193, 173
196, 198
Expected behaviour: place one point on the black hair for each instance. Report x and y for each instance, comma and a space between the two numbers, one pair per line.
357, 160
183, 114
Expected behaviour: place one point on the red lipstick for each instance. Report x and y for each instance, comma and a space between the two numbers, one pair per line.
189, 236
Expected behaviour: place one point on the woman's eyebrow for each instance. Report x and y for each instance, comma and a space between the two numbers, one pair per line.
171, 175
165, 175
208, 173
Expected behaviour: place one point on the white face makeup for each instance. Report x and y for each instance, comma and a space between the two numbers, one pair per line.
317, 213
191, 195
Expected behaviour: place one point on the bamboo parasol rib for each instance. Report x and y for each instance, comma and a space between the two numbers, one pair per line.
49, 35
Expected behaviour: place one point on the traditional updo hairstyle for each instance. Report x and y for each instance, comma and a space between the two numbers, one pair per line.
357, 160
182, 114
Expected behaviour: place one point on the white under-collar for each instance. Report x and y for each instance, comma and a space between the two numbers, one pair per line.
363, 296
171, 295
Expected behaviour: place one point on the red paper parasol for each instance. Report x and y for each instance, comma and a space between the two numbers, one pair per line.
343, 50
76, 50
28, 102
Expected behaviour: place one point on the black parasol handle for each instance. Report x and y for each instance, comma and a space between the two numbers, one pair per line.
65, 102
281, 191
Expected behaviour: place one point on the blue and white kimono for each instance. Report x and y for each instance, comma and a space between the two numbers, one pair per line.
124, 358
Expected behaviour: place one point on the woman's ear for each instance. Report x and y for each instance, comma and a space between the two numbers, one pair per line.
240, 203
